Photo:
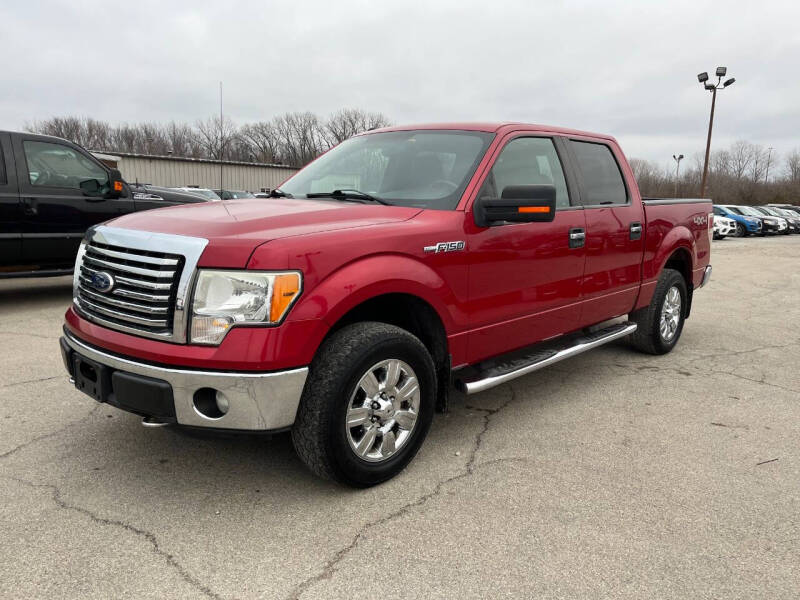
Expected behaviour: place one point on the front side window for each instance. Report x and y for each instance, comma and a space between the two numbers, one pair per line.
602, 179
425, 168
56, 165
527, 161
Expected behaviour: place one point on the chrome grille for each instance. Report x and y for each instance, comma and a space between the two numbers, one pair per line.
144, 290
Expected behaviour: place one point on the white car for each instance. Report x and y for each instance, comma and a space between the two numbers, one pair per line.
723, 226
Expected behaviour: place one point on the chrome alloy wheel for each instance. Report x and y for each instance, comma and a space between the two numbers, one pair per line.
383, 410
670, 314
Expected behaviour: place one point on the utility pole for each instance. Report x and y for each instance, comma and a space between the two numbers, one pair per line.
703, 78
678, 160
769, 156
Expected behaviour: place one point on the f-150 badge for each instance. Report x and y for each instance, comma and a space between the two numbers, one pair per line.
445, 247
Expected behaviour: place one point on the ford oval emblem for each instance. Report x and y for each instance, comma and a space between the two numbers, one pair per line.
102, 281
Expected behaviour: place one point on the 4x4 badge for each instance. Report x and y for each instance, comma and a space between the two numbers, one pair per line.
445, 247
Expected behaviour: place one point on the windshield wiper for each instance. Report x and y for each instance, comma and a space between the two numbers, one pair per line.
278, 193
348, 194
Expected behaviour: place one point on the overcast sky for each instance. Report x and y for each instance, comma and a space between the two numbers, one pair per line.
627, 68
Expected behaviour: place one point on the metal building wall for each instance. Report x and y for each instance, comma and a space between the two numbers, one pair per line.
180, 173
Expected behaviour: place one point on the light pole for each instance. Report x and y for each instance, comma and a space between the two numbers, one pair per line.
769, 156
678, 160
711, 87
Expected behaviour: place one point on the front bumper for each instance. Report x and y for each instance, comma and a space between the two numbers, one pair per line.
257, 401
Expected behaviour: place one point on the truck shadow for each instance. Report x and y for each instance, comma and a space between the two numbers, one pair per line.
28, 292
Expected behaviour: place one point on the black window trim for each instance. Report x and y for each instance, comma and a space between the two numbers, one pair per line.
3, 169
74, 148
579, 174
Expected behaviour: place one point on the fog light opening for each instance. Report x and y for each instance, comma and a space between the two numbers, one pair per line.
210, 403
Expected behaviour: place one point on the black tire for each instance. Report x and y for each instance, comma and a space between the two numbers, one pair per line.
741, 230
647, 337
319, 433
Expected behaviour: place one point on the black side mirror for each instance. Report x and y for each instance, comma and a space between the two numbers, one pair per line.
116, 184
90, 187
517, 204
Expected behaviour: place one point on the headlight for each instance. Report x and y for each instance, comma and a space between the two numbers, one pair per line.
225, 299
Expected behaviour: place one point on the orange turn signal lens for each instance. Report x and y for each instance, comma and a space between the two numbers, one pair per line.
117, 186
534, 209
285, 289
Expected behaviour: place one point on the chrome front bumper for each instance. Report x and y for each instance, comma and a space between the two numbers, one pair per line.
258, 401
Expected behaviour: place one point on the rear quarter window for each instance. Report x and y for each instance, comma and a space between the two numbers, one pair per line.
602, 178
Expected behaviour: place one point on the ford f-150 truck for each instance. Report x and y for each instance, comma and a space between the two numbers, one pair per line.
399, 263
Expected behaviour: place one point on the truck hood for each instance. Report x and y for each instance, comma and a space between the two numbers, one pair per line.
234, 228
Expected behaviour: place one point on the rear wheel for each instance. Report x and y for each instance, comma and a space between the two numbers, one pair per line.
660, 324
367, 404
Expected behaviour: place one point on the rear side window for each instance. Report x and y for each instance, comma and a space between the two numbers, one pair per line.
527, 161
602, 179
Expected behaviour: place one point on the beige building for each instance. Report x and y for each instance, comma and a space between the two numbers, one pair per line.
174, 171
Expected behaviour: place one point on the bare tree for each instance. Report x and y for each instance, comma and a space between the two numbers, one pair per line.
215, 135
346, 123
792, 167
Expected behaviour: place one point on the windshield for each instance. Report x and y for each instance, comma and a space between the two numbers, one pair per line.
208, 194
746, 210
734, 210
428, 169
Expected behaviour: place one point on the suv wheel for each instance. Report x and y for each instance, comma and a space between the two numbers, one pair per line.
367, 404
741, 231
661, 323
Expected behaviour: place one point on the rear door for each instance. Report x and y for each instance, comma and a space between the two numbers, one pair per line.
614, 231
56, 210
525, 278
10, 211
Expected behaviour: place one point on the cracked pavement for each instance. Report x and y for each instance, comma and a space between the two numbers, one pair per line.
613, 475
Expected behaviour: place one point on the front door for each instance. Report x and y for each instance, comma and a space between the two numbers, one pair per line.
57, 203
615, 232
525, 278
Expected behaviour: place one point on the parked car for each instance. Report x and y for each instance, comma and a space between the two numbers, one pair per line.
152, 196
51, 192
469, 264
791, 208
723, 227
233, 194
210, 195
792, 221
772, 224
745, 224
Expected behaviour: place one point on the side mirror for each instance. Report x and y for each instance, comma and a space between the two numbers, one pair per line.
90, 187
517, 204
116, 184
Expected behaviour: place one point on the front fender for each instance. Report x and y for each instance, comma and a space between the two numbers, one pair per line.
372, 276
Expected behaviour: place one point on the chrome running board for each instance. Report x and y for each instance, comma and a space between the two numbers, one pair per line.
536, 360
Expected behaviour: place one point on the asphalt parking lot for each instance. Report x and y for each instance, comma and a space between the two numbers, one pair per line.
614, 475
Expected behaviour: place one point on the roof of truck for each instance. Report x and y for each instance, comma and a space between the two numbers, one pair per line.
492, 127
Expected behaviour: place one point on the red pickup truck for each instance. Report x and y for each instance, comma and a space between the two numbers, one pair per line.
399, 263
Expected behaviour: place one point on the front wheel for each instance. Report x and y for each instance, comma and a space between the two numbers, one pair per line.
741, 230
367, 404
661, 323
